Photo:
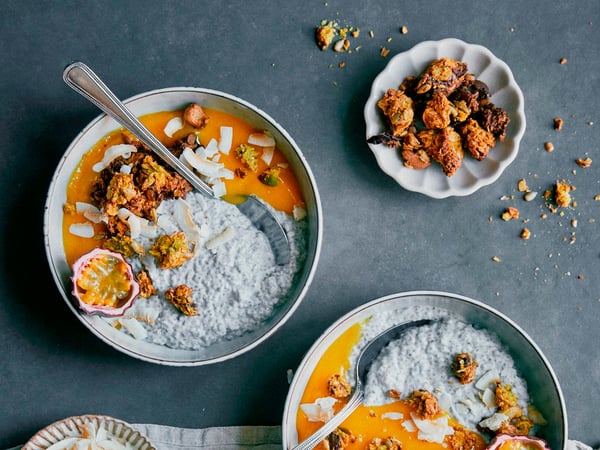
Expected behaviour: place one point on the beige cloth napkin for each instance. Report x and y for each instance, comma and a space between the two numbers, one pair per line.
230, 438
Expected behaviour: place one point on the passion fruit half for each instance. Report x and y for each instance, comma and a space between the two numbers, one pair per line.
510, 442
104, 283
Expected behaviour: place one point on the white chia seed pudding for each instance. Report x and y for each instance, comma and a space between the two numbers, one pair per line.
236, 283
422, 358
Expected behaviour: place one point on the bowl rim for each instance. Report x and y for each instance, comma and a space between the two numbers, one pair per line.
341, 324
309, 267
398, 170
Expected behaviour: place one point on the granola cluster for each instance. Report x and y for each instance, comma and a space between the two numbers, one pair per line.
440, 114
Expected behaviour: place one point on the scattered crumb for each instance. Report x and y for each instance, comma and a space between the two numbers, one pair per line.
525, 233
496, 259
384, 52
529, 196
403, 29
522, 185
558, 123
549, 146
510, 213
562, 196
563, 60
581, 162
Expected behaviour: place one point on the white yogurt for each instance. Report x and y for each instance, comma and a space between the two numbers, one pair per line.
422, 357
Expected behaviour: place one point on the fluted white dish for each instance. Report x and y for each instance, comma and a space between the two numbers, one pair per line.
66, 429
473, 174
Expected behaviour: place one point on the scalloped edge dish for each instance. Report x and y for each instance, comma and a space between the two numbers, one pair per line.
69, 428
473, 174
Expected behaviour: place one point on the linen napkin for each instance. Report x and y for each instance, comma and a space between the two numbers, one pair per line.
230, 438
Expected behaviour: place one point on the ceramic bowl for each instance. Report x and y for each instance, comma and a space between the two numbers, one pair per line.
166, 100
543, 386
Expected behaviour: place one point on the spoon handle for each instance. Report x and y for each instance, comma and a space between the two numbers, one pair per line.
84, 81
312, 441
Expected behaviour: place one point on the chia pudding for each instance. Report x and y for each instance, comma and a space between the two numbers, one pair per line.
236, 283
421, 359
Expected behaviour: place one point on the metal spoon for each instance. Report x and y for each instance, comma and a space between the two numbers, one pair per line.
84, 81
365, 359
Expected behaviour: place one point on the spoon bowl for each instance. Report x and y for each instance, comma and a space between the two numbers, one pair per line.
365, 359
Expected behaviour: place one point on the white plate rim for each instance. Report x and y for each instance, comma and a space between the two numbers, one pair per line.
472, 176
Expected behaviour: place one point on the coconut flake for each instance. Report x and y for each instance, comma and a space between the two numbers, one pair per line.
112, 153
319, 411
299, 213
138, 226
409, 426
432, 430
84, 230
183, 216
488, 398
211, 149
219, 188
493, 422
89, 211
125, 169
486, 379
134, 328
226, 235
204, 166
392, 415
263, 139
226, 139
267, 155
173, 125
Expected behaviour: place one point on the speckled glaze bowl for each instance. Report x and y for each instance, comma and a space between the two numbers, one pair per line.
165, 100
530, 362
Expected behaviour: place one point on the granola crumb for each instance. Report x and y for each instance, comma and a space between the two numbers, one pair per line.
384, 52
549, 146
510, 213
563, 60
496, 259
558, 123
561, 193
522, 185
581, 162
371, 34
597, 197
403, 29
525, 233
580, 276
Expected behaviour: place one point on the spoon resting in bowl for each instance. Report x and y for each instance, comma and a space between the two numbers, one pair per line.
364, 361
83, 80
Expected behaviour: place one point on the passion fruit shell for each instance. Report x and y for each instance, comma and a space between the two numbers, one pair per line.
104, 283
510, 442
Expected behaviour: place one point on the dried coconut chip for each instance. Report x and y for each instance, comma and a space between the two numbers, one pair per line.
84, 230
112, 153
204, 166
226, 139
263, 139
226, 235
173, 126
319, 411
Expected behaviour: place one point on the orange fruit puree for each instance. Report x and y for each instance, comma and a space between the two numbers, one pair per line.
366, 422
284, 197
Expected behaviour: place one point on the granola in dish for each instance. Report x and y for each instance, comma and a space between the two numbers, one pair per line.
440, 115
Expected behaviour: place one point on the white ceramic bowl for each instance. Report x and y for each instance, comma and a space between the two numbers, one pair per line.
68, 428
529, 360
473, 174
165, 100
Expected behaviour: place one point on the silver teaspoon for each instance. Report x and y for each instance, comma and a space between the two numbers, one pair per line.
84, 81
365, 359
